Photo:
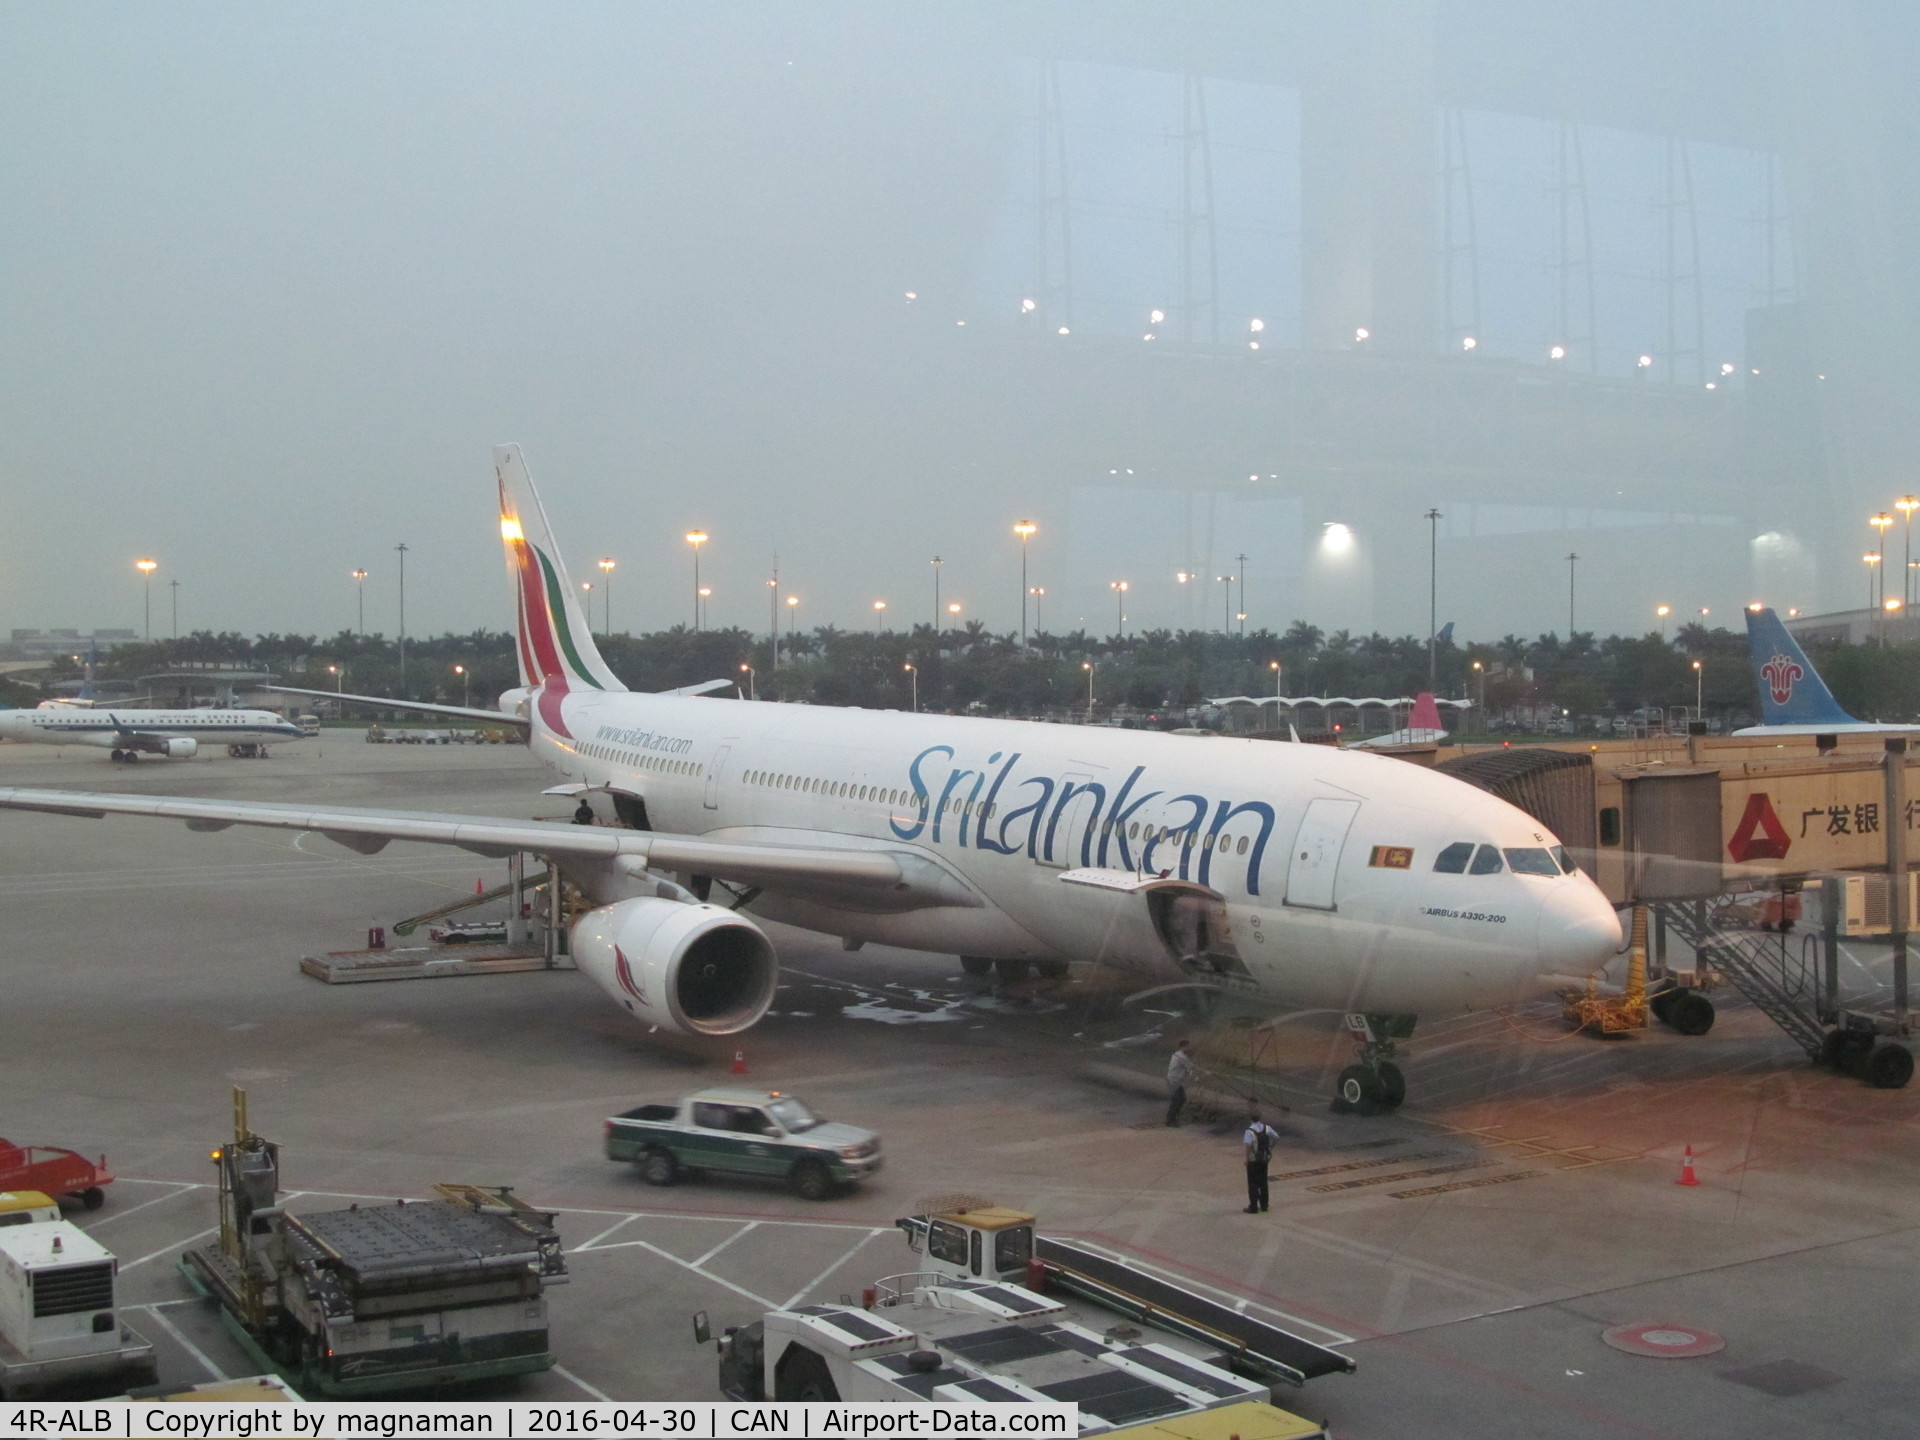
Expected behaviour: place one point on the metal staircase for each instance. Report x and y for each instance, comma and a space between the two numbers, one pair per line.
1759, 966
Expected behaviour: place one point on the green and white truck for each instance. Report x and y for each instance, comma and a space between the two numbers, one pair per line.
764, 1134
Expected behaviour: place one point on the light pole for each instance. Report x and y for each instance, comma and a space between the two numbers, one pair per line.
466, 685
1906, 505
339, 673
146, 569
606, 595
913, 675
1480, 672
1226, 618
1120, 588
704, 594
1278, 672
696, 538
1881, 523
1661, 612
880, 615
1572, 561
402, 548
175, 586
1433, 594
1039, 593
936, 594
747, 670
1025, 530
360, 596
1870, 559
1087, 665
1698, 712
1241, 615
773, 612
793, 619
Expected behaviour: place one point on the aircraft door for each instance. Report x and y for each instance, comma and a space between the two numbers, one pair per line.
714, 772
1315, 860
1062, 831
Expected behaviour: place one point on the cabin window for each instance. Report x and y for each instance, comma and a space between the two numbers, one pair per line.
947, 1242
1453, 859
1610, 825
1486, 861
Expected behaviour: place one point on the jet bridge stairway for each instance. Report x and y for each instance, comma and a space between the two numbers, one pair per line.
1786, 990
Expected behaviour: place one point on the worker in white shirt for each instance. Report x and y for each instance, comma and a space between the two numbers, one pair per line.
1180, 1073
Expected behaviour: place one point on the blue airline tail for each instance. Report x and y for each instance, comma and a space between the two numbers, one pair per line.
1791, 691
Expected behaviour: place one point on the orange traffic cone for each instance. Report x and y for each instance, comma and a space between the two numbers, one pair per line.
739, 1062
1687, 1177
480, 887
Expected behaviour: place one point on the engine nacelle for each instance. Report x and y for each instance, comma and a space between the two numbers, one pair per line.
179, 747
695, 969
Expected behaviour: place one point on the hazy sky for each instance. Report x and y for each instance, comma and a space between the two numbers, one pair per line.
274, 278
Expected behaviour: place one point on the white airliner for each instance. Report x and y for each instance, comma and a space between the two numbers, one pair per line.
1297, 874
129, 734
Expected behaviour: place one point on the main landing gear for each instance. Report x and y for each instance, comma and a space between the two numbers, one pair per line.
128, 756
1374, 1083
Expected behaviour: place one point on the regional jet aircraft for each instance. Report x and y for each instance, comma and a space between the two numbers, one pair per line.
1295, 875
129, 734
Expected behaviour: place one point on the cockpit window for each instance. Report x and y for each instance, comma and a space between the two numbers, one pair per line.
1486, 861
1566, 860
1526, 860
1453, 859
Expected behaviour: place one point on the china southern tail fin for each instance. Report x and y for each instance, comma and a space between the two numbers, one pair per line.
554, 640
1791, 691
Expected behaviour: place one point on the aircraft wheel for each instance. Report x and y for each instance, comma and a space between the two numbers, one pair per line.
1393, 1085
1012, 969
1845, 1050
976, 965
119, 754
658, 1167
1660, 1002
131, 756
1888, 1066
1690, 1012
1358, 1088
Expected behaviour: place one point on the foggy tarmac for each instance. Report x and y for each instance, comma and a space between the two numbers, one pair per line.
1471, 1248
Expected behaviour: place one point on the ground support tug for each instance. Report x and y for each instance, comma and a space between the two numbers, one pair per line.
376, 1299
995, 1317
59, 1331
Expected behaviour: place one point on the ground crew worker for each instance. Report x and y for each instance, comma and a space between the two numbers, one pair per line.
1180, 1072
1257, 1143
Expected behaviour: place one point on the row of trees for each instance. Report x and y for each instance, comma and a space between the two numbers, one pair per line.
1159, 671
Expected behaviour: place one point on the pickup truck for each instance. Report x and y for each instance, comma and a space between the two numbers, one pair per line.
760, 1133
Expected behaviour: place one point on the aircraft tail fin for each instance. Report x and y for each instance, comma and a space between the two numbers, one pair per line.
555, 641
1790, 690
1426, 714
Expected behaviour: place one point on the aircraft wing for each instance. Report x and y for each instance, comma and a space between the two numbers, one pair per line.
891, 880
425, 707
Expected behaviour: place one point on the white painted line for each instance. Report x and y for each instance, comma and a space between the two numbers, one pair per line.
604, 1233
750, 1225
185, 1186
566, 1374
760, 1300
800, 1294
164, 1249
192, 1349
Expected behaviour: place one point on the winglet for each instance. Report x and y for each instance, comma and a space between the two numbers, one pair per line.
1790, 690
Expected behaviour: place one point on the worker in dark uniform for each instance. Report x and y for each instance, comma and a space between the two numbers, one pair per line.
1257, 1143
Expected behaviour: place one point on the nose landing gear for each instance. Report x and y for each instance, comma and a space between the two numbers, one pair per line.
1374, 1083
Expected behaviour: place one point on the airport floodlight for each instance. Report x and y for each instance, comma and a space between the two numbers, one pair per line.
1891, 604
1147, 336
1253, 344
1155, 317
1469, 343
913, 294
1645, 362
1362, 333
146, 569
1726, 368
1065, 331
954, 608
1756, 607
1336, 538
146, 566
1256, 325
1027, 307
1558, 352
1024, 528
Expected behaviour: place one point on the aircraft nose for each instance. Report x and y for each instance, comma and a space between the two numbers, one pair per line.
1577, 931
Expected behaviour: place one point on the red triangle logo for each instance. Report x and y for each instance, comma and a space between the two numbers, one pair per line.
1759, 835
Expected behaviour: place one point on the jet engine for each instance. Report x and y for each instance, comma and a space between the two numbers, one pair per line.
179, 747
695, 969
